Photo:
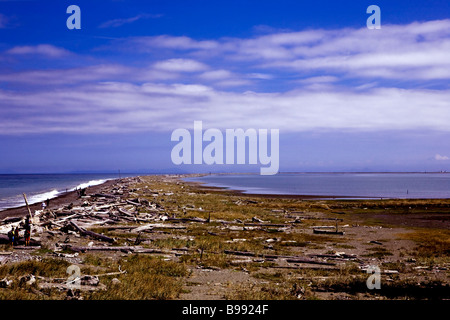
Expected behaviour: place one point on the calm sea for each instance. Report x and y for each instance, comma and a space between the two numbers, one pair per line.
40, 187
335, 185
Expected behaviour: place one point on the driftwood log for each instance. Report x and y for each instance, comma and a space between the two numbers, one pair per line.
10, 220
133, 203
275, 225
158, 226
195, 219
91, 234
335, 256
317, 231
103, 195
290, 259
310, 261
99, 248
135, 249
125, 212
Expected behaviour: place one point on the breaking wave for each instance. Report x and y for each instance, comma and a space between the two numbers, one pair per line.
89, 184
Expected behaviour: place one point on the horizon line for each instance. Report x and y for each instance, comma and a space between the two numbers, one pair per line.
211, 173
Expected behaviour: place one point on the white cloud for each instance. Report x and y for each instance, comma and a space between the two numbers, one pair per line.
121, 107
216, 74
180, 65
95, 73
438, 157
261, 76
41, 49
319, 79
170, 42
57, 77
120, 22
417, 50
225, 78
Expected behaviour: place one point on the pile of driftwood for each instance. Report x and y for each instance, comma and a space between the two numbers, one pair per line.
96, 210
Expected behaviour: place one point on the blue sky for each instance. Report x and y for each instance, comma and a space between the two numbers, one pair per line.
108, 96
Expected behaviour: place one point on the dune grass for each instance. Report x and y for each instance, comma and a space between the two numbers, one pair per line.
146, 278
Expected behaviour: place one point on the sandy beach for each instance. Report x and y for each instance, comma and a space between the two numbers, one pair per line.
158, 237
61, 200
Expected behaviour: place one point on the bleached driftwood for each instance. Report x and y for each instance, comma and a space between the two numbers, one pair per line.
317, 231
100, 248
195, 219
158, 226
125, 212
92, 234
291, 259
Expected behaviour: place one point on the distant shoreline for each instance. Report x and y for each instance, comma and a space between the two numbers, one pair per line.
276, 192
233, 191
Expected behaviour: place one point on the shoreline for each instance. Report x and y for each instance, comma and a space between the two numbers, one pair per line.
202, 187
64, 198
72, 197
241, 192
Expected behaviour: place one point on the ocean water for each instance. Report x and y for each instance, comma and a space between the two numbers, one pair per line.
335, 185
40, 187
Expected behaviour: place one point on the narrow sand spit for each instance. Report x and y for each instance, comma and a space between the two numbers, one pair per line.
157, 237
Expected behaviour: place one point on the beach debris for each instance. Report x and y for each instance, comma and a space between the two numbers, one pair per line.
65, 255
275, 225
126, 212
290, 259
256, 219
73, 294
92, 234
28, 207
88, 280
5, 282
98, 248
28, 280
336, 256
195, 219
365, 268
235, 240
318, 231
9, 220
